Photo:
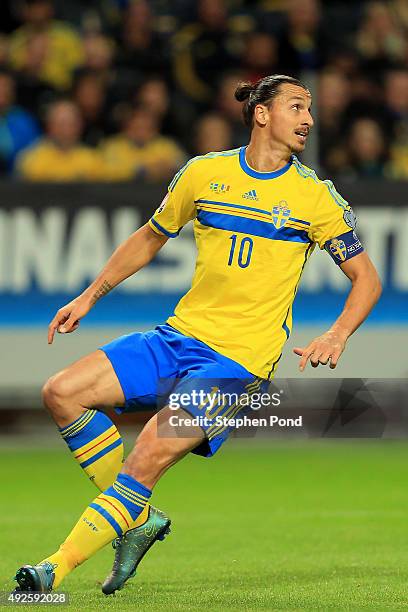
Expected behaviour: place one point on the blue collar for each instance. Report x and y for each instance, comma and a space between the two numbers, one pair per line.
260, 175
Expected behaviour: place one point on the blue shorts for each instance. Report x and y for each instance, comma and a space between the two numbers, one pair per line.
152, 365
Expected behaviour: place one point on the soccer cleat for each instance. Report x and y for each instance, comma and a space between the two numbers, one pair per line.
132, 547
39, 578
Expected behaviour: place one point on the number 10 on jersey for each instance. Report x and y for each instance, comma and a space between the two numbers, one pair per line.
244, 253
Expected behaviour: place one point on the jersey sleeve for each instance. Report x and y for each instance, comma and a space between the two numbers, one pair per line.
334, 225
178, 206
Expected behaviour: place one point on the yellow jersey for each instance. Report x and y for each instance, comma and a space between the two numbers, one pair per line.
62, 48
124, 159
254, 233
44, 161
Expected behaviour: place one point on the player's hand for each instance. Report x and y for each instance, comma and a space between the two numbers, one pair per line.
322, 350
68, 317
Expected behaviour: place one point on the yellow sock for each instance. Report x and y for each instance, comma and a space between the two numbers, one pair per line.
98, 448
64, 560
111, 514
96, 445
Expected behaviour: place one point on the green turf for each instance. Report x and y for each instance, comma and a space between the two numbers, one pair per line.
313, 525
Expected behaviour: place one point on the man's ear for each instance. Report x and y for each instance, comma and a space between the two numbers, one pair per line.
261, 114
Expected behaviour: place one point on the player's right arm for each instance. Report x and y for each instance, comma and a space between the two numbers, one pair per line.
137, 251
132, 255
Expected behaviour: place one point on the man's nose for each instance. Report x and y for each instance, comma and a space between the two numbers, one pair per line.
309, 120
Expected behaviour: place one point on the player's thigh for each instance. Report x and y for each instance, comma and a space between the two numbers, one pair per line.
90, 382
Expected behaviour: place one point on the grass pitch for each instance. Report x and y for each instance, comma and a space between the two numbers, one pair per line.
311, 525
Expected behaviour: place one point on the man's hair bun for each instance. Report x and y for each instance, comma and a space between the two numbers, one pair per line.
243, 91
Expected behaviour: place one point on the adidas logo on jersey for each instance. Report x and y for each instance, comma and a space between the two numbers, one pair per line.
250, 195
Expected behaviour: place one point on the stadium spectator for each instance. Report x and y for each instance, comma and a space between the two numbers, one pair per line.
34, 90
98, 54
396, 99
89, 93
213, 133
61, 156
380, 39
231, 109
46, 47
154, 94
18, 128
168, 58
203, 48
303, 44
334, 95
397, 168
100, 57
141, 49
260, 56
366, 150
140, 151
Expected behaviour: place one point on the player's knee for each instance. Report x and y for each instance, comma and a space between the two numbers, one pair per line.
57, 395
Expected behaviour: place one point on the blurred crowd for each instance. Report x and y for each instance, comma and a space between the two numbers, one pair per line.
125, 89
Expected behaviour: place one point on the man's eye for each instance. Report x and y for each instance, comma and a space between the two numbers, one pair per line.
296, 106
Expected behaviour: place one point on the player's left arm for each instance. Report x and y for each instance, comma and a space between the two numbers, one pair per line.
364, 293
333, 228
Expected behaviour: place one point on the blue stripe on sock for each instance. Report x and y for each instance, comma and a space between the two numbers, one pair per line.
134, 486
133, 509
126, 492
108, 517
97, 426
101, 453
77, 422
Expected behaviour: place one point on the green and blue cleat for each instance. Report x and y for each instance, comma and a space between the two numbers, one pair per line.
132, 547
39, 578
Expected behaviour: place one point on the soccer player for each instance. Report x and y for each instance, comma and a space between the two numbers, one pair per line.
258, 214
